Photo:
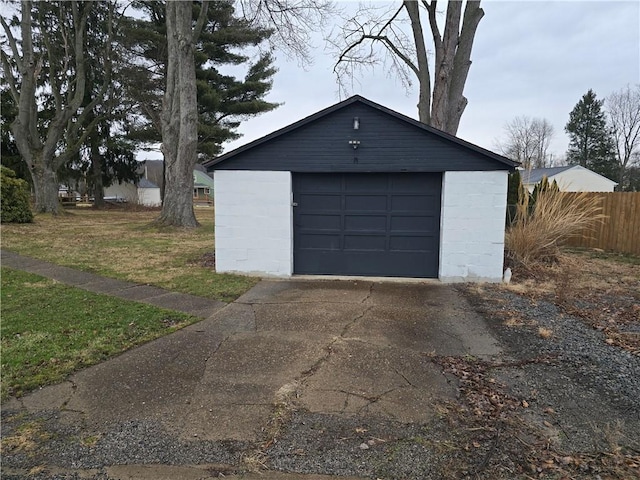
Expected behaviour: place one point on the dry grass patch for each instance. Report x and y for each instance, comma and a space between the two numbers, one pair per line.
124, 244
537, 233
545, 333
513, 321
26, 438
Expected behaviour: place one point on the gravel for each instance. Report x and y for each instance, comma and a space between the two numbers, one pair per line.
592, 386
130, 443
357, 446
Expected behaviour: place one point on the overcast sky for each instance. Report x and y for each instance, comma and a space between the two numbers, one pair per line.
529, 58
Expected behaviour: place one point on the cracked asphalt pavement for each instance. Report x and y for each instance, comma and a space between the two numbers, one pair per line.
330, 356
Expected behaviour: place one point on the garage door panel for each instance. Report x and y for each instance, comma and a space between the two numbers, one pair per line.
411, 203
388, 224
368, 203
412, 244
320, 221
365, 223
405, 223
374, 184
405, 182
365, 242
371, 263
317, 241
321, 202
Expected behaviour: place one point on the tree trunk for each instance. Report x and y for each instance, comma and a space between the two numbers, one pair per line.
424, 80
461, 64
96, 173
452, 63
45, 184
622, 177
179, 119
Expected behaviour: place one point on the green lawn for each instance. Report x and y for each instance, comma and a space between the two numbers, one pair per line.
124, 244
49, 330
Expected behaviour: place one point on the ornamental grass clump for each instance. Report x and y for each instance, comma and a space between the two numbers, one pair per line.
544, 222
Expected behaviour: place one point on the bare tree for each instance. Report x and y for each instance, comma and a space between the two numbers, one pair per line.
624, 116
395, 37
180, 114
527, 141
49, 54
292, 23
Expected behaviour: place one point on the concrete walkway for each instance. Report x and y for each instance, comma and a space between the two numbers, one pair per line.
331, 350
182, 302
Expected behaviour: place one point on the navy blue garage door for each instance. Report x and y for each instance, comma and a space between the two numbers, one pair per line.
379, 224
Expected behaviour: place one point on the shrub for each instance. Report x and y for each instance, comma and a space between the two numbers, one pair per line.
14, 206
514, 187
538, 232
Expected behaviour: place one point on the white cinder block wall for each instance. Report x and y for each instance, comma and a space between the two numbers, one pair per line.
254, 222
472, 226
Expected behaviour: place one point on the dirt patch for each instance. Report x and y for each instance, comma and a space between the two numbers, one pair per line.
207, 260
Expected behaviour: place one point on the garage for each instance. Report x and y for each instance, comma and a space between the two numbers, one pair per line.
378, 224
358, 189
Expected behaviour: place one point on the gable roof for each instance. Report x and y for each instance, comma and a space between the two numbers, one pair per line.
210, 165
201, 179
536, 175
146, 183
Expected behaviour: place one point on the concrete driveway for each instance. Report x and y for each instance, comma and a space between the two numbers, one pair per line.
347, 348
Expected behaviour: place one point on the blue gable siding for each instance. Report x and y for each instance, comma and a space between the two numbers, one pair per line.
389, 142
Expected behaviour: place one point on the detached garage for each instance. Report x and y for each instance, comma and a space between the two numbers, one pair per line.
358, 189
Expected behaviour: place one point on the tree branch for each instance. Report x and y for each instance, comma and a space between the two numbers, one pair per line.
76, 95
6, 65
433, 23
202, 18
364, 37
461, 61
53, 77
397, 51
12, 43
424, 77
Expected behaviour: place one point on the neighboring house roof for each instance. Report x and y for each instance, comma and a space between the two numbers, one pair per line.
572, 178
537, 174
446, 138
201, 179
146, 183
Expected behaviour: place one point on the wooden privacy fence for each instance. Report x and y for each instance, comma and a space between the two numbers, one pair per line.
620, 230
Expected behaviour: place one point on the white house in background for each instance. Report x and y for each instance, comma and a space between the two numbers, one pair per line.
144, 193
571, 178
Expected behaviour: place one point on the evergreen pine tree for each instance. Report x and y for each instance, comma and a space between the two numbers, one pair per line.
514, 186
590, 141
223, 99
